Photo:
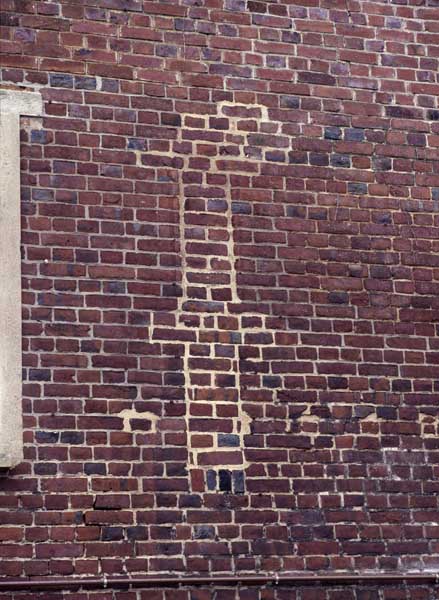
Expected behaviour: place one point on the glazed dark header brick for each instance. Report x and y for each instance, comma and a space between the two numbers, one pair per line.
230, 275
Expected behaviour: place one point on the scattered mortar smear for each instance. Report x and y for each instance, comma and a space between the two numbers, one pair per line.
130, 414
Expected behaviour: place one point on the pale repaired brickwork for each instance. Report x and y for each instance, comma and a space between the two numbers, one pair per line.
230, 236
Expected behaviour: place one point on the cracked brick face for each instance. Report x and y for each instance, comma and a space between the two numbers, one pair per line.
230, 219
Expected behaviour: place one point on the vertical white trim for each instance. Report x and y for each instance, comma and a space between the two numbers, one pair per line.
12, 105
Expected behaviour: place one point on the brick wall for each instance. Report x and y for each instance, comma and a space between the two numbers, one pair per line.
230, 290
277, 593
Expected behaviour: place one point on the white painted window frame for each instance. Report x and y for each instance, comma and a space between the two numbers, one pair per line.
13, 104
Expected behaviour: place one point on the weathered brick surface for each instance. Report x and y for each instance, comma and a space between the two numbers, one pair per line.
230, 287
310, 593
244, 593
